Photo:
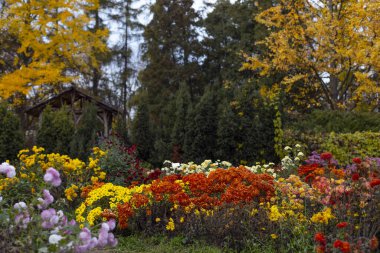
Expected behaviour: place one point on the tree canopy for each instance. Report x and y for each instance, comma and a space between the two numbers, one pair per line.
327, 48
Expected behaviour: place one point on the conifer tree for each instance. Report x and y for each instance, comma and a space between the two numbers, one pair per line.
141, 132
56, 131
11, 137
183, 103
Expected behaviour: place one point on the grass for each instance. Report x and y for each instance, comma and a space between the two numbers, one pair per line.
160, 244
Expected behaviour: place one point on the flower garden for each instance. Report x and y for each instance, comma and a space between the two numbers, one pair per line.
54, 203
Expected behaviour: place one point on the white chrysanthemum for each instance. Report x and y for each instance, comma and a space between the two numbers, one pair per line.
54, 239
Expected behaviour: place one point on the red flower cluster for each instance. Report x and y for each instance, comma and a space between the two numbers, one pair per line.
374, 182
310, 171
124, 212
342, 225
326, 156
355, 176
343, 246
357, 160
321, 240
235, 185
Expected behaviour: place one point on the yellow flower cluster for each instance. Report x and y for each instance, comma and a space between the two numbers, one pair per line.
170, 226
108, 196
6, 183
71, 192
274, 214
93, 215
323, 217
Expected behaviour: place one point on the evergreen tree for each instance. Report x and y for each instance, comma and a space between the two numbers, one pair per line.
11, 137
141, 132
86, 134
182, 104
56, 131
227, 133
202, 130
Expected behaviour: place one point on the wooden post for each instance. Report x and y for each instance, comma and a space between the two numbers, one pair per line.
105, 123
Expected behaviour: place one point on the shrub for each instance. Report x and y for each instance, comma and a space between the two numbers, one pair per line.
122, 165
335, 121
344, 146
11, 137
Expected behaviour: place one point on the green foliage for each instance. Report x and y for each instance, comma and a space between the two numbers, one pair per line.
344, 146
11, 137
141, 132
256, 139
201, 142
162, 244
182, 104
56, 131
85, 137
335, 121
227, 132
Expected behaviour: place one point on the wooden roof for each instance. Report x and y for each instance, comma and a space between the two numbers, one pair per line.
68, 97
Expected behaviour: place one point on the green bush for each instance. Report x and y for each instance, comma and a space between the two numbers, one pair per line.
11, 137
335, 121
344, 146
56, 131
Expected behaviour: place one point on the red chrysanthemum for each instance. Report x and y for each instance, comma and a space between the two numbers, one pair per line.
355, 177
319, 237
374, 182
373, 243
338, 244
343, 246
357, 160
342, 225
326, 156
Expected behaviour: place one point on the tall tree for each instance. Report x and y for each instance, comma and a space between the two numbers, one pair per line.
231, 29
129, 28
171, 51
202, 129
182, 104
328, 47
54, 44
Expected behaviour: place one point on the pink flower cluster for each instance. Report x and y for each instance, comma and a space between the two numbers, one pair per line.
104, 238
8, 170
46, 200
53, 219
22, 218
52, 177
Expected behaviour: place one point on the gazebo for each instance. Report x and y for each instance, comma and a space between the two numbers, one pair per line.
74, 98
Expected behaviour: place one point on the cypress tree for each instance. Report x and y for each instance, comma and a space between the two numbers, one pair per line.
182, 104
56, 131
141, 132
85, 137
11, 137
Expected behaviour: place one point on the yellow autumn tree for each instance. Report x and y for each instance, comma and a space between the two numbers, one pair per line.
54, 42
328, 46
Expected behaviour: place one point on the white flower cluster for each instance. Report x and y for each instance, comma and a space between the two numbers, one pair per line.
293, 158
189, 168
208, 166
265, 168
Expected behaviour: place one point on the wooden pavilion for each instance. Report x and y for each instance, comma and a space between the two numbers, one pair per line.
74, 98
